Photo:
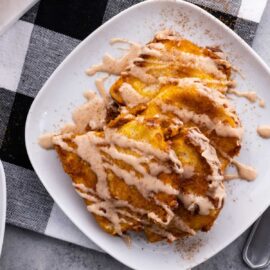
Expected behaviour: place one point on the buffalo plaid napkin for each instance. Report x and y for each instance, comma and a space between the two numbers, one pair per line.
29, 53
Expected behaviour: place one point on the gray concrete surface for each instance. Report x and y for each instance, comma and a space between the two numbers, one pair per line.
25, 250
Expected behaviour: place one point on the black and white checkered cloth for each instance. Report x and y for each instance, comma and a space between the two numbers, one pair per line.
29, 53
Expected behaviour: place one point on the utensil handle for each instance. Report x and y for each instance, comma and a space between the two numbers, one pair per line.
256, 253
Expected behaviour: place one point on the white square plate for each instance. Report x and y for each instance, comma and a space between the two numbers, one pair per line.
63, 91
11, 11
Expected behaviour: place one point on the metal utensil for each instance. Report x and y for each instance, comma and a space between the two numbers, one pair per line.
256, 253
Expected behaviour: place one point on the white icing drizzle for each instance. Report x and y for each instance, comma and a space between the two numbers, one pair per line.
88, 151
229, 177
249, 95
92, 113
144, 184
46, 140
217, 191
202, 120
228, 131
162, 233
136, 162
83, 188
166, 80
151, 88
170, 213
203, 63
156, 46
167, 34
261, 103
176, 122
188, 171
88, 144
122, 40
216, 97
189, 60
157, 168
264, 131
208, 152
151, 51
143, 147
193, 202
101, 88
68, 128
115, 66
86, 196
155, 217
117, 203
128, 61
176, 162
130, 96
141, 74
107, 208
59, 140
244, 171
182, 226
125, 142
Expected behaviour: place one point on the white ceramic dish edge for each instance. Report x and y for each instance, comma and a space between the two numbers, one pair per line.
15, 15
254, 54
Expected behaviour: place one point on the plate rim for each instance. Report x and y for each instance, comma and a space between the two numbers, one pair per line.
4, 204
15, 16
41, 92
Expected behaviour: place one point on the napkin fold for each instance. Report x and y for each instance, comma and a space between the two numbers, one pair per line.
29, 53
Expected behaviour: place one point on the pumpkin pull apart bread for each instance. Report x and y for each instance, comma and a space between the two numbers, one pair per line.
151, 155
